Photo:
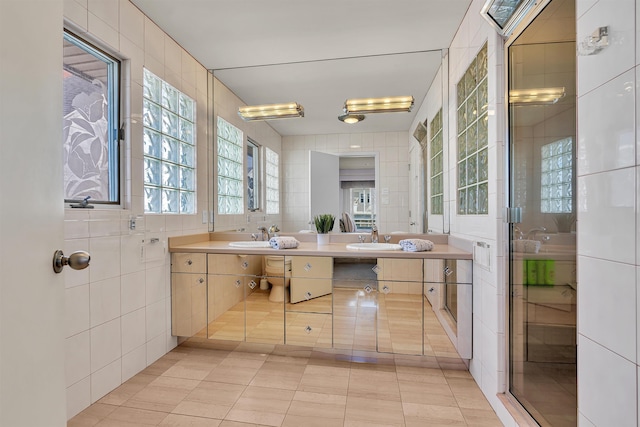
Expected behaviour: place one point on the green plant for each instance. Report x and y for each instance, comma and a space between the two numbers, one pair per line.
324, 223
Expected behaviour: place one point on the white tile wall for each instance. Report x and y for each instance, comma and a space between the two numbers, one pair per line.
118, 309
608, 241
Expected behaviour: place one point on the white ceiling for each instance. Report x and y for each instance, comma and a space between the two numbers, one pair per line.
316, 53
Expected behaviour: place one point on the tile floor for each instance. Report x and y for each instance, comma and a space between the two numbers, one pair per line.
233, 384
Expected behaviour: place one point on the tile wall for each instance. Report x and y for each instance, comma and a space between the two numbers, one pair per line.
608, 240
392, 150
488, 365
118, 310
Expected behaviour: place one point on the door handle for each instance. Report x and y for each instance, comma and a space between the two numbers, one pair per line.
78, 260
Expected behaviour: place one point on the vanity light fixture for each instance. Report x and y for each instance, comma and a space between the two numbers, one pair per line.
271, 111
392, 104
543, 96
351, 118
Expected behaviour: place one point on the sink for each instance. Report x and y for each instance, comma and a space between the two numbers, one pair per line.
374, 247
249, 244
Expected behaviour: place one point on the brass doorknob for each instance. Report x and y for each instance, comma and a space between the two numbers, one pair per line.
78, 260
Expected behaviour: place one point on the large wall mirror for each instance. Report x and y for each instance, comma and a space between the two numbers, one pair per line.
380, 171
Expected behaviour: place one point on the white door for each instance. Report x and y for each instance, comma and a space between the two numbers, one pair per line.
32, 371
324, 184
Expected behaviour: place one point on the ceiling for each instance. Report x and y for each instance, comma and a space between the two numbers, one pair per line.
316, 53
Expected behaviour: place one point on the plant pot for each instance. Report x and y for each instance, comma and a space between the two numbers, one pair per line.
324, 239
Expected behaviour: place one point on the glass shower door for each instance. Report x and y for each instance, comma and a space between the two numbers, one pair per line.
543, 287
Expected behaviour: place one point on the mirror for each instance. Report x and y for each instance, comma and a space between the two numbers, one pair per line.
398, 143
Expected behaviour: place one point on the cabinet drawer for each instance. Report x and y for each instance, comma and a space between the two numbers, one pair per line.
312, 267
188, 263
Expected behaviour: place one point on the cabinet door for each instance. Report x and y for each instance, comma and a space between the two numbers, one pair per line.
355, 303
188, 304
400, 312
309, 329
188, 263
310, 279
264, 318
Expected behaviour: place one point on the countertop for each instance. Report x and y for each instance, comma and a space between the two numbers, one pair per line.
219, 244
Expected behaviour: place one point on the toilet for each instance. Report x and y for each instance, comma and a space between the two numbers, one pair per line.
278, 272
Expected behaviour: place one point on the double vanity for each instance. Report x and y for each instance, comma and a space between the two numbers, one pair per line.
343, 295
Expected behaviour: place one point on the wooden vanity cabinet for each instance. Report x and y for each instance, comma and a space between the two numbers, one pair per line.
400, 306
308, 314
188, 294
448, 306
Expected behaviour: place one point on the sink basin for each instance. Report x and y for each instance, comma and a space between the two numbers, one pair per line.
249, 244
374, 247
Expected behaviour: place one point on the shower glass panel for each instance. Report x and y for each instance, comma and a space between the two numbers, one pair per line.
543, 286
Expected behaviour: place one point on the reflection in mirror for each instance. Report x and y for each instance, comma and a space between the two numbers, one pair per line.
399, 199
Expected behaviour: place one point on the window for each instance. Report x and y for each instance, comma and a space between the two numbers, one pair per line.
557, 177
473, 138
91, 117
230, 187
253, 176
436, 164
272, 182
168, 118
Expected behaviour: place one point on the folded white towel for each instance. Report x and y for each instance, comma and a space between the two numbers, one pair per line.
284, 242
526, 246
416, 245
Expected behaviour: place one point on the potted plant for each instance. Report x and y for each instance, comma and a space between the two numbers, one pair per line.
324, 224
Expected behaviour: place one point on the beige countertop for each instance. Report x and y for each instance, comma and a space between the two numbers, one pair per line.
219, 243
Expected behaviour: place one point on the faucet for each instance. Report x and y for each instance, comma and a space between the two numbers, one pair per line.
374, 234
532, 233
264, 233
273, 230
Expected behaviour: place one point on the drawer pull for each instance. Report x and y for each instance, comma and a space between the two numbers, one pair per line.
238, 283
368, 289
307, 295
189, 262
308, 329
252, 284
201, 280
376, 269
307, 267
385, 289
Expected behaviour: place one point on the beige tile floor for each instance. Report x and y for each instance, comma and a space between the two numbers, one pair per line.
232, 384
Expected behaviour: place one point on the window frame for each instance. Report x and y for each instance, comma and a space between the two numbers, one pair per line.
241, 194
115, 114
271, 178
256, 159
179, 140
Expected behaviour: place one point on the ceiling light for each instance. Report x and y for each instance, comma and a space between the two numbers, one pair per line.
271, 111
549, 95
351, 118
392, 104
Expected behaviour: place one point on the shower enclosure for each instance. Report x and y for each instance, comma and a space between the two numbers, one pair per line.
542, 260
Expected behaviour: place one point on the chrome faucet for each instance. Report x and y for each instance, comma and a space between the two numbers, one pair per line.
273, 230
532, 233
374, 234
265, 234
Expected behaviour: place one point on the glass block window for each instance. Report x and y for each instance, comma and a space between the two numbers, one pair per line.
168, 119
253, 176
230, 169
435, 142
473, 137
272, 182
91, 117
556, 185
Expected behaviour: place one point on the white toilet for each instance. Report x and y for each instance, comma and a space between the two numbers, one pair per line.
278, 272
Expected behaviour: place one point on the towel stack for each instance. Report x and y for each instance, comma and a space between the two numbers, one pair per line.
416, 245
284, 242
